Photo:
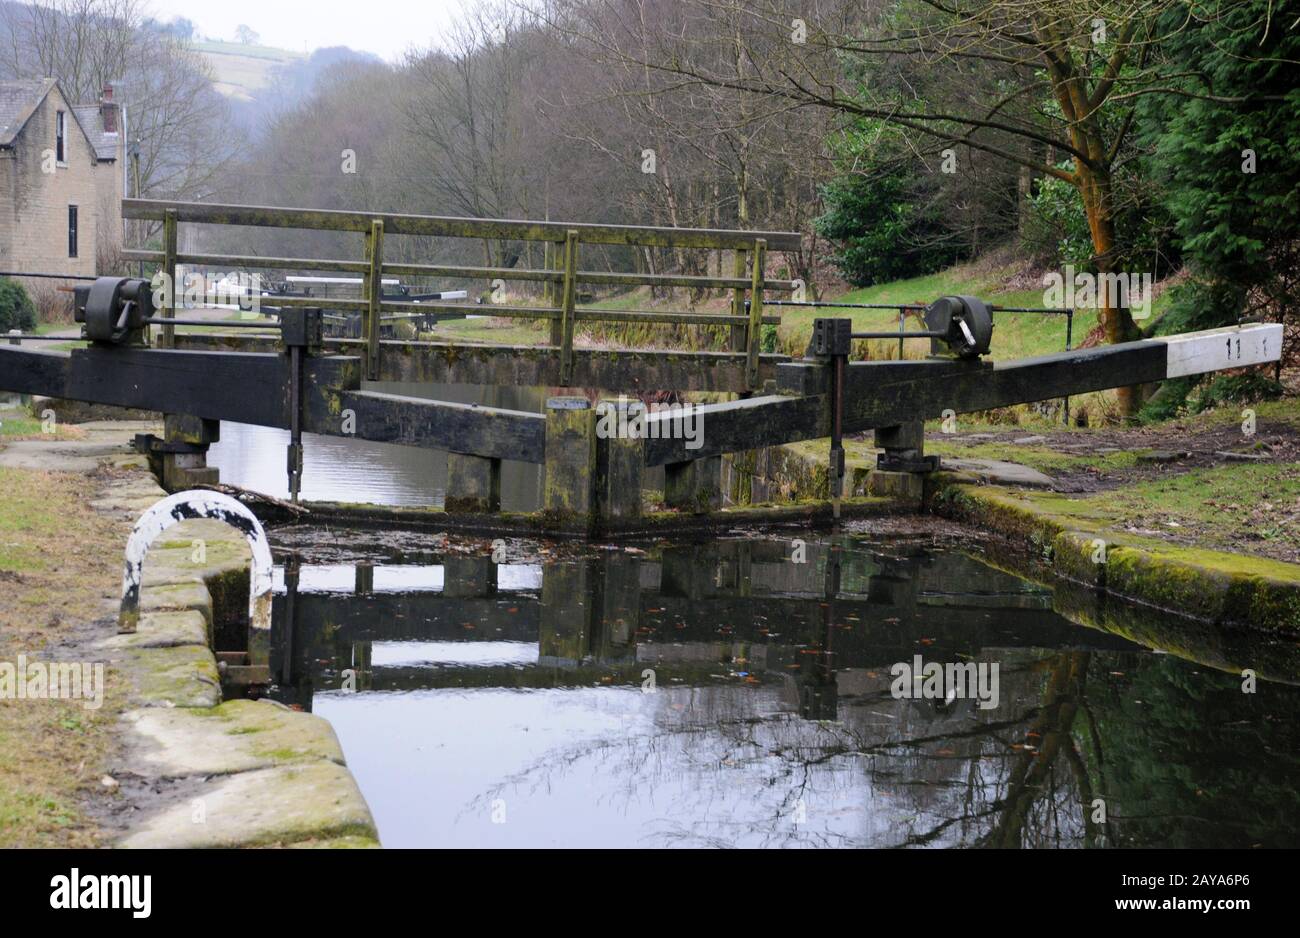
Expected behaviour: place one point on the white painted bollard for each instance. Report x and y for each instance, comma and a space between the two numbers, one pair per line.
186, 506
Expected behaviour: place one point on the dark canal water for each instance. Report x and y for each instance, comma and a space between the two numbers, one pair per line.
726, 694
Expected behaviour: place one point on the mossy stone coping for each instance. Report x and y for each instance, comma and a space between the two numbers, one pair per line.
1070, 535
233, 774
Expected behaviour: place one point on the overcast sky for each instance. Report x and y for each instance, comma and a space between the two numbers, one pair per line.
384, 27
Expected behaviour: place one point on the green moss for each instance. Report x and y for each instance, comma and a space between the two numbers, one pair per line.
184, 676
354, 835
281, 754
1208, 584
1041, 458
349, 842
211, 713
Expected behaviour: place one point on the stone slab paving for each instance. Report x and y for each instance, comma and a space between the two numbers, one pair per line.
265, 775
267, 807
237, 736
180, 676
998, 472
163, 630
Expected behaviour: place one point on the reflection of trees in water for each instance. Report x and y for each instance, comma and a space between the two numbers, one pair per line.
892, 772
913, 773
1194, 762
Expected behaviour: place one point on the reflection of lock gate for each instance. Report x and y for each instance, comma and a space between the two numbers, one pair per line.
622, 614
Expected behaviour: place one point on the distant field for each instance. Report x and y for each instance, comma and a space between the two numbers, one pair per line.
239, 70
248, 51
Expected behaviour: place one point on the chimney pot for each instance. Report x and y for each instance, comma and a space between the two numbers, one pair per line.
108, 110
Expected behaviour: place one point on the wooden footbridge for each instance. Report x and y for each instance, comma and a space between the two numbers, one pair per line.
291, 377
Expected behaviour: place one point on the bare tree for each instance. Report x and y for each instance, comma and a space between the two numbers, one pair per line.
180, 121
1065, 87
466, 120
85, 44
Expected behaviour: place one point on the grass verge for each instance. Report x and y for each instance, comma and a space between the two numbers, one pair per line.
58, 558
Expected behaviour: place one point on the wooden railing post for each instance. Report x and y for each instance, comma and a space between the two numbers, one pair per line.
738, 343
168, 337
555, 296
374, 290
548, 263
755, 335
568, 301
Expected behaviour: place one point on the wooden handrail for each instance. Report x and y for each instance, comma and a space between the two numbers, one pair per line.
560, 275
454, 271
261, 216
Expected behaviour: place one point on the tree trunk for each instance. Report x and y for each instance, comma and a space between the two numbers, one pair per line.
1024, 200
1116, 322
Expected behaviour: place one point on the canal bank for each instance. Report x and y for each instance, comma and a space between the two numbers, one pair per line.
163, 761
1191, 518
1049, 531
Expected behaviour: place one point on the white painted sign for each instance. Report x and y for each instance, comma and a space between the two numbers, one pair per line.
1219, 349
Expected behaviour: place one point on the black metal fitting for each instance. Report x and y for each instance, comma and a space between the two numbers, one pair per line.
832, 341
832, 337
302, 328
147, 444
962, 324
113, 310
837, 472
897, 462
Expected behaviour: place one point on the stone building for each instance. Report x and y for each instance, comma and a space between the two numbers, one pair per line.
62, 176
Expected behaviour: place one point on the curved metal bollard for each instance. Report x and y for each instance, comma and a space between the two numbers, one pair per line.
185, 506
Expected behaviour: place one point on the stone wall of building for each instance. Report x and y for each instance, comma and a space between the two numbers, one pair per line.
34, 203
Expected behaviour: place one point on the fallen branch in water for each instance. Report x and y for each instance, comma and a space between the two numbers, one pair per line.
247, 495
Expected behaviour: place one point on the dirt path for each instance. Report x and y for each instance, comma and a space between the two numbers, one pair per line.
1201, 481
1174, 448
60, 567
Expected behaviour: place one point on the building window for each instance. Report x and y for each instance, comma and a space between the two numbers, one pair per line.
60, 136
72, 231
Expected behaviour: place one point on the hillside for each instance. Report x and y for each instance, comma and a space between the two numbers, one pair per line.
241, 71
261, 81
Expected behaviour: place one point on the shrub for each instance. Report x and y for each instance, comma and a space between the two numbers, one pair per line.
16, 308
52, 305
1247, 388
883, 229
